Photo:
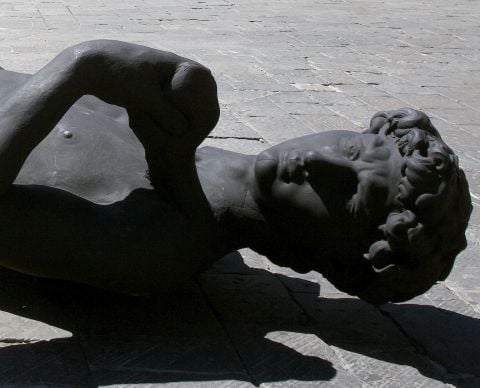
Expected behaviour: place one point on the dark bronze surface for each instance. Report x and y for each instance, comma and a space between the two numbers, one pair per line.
122, 199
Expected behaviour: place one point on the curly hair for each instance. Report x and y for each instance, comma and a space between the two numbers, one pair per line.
421, 238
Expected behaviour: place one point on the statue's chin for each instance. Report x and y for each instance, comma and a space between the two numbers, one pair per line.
397, 283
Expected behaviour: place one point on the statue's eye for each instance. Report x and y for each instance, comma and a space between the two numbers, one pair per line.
352, 150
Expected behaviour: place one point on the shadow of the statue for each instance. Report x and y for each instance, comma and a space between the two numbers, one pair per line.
57, 333
440, 344
187, 337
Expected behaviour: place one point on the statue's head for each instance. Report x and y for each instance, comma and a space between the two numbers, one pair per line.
381, 214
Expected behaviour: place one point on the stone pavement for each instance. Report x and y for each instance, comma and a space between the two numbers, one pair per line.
284, 68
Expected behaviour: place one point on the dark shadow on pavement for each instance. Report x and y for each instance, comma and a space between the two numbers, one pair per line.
440, 344
125, 340
121, 340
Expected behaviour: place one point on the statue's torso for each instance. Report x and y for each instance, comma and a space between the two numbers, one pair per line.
83, 197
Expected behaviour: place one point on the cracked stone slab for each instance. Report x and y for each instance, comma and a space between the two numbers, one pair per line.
445, 328
140, 340
230, 126
43, 363
369, 345
270, 332
248, 146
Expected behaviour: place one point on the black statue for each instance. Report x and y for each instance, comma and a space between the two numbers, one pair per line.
382, 214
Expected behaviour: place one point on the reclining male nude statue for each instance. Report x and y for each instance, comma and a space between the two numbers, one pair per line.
382, 214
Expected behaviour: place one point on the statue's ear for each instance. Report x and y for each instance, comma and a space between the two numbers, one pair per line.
380, 255
380, 123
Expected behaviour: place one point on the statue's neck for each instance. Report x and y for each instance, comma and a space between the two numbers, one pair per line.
228, 181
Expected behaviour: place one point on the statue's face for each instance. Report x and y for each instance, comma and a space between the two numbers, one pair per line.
309, 186
315, 172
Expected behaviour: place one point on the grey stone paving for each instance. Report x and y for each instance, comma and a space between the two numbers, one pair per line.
284, 68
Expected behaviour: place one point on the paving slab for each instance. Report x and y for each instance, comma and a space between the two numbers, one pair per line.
272, 333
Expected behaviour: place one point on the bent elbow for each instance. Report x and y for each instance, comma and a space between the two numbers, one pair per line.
195, 93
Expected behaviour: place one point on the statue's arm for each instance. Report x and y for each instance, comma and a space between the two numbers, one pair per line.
30, 110
172, 106
176, 95
171, 101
